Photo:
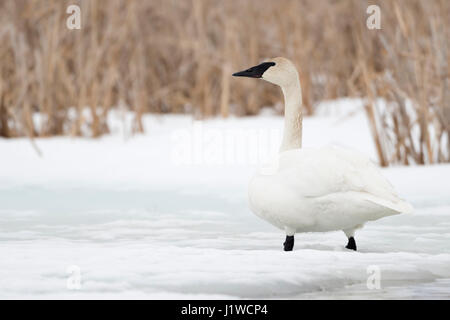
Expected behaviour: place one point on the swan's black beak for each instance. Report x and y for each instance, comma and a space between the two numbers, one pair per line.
256, 71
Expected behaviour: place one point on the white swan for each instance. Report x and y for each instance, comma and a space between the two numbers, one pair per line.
315, 190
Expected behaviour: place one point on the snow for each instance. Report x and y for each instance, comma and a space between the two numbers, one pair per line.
165, 216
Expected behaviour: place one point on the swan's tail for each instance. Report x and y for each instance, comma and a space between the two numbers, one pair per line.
399, 206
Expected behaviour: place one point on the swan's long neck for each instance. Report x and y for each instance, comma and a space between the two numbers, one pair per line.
292, 137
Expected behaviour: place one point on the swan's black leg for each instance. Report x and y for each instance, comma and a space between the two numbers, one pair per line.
289, 243
351, 244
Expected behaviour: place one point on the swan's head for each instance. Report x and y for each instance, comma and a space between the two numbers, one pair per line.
279, 71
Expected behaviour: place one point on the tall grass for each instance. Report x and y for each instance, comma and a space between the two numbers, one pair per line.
177, 57
407, 64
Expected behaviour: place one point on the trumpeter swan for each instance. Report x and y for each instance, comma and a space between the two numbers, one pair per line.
315, 190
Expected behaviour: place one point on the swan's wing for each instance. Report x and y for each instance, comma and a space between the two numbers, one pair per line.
321, 172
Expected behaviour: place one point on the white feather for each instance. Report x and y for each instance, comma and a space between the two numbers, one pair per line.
323, 189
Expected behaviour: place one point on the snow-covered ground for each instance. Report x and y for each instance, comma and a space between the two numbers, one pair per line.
165, 215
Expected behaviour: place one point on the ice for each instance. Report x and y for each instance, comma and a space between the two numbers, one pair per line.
141, 224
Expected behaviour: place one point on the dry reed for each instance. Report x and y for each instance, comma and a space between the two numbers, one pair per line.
177, 57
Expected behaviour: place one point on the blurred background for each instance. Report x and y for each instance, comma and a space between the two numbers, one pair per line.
178, 56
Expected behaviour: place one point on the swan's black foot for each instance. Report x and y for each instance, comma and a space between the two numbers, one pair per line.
289, 243
351, 244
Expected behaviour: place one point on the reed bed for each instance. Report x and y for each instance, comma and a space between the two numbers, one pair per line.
177, 57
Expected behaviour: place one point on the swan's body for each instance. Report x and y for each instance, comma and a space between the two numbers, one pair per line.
316, 190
